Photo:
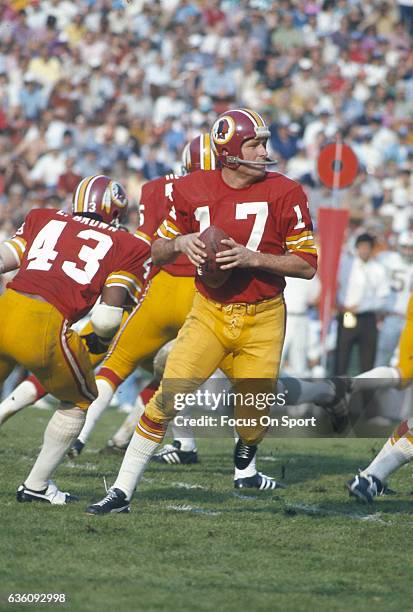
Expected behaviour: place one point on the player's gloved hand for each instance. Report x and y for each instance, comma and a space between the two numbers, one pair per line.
95, 344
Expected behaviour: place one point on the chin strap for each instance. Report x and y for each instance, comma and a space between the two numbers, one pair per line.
231, 159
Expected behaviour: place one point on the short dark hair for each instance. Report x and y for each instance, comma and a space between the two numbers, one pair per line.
365, 238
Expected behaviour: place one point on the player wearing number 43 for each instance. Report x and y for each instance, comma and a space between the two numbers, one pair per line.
267, 218
65, 263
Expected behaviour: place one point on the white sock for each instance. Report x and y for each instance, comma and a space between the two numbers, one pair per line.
22, 396
134, 463
96, 408
394, 454
381, 377
184, 435
61, 431
125, 432
299, 391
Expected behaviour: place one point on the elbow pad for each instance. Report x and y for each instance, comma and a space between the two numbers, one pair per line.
106, 320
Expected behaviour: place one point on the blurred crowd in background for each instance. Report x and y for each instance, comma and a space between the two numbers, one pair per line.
119, 87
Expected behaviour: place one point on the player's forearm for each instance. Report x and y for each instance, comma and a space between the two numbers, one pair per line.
8, 262
164, 251
285, 265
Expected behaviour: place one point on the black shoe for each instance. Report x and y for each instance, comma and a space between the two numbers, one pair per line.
258, 481
75, 450
112, 449
338, 408
366, 488
50, 495
114, 501
171, 453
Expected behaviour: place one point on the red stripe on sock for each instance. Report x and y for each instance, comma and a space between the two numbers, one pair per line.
40, 390
157, 427
402, 429
149, 391
110, 375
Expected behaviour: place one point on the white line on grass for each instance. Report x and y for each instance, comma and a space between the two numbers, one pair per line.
178, 485
317, 511
81, 466
187, 508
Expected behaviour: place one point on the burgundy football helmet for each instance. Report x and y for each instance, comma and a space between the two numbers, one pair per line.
102, 196
231, 130
198, 155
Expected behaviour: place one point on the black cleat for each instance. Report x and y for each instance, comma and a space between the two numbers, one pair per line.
258, 481
112, 449
366, 488
114, 502
50, 495
75, 450
171, 454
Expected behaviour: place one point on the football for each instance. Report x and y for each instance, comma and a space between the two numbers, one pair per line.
210, 273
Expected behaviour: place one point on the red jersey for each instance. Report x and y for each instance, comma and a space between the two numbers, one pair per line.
67, 260
156, 201
270, 216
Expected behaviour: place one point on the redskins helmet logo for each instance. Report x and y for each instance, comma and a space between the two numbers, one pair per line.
113, 195
223, 130
117, 194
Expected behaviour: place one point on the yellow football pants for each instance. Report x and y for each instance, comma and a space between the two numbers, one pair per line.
153, 323
252, 334
35, 334
405, 364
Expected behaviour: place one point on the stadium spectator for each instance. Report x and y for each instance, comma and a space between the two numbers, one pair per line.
363, 290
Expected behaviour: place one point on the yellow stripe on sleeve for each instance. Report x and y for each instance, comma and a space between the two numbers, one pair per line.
127, 281
17, 246
168, 230
293, 238
142, 236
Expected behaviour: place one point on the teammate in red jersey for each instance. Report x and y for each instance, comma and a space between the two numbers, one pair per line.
267, 217
152, 325
65, 263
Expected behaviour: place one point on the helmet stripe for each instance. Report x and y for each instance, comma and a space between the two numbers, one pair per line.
89, 186
208, 153
78, 199
254, 116
250, 116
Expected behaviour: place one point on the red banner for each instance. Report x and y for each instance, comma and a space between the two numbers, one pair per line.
332, 224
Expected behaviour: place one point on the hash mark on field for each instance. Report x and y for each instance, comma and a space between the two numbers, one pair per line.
185, 485
81, 466
317, 511
187, 508
178, 485
269, 458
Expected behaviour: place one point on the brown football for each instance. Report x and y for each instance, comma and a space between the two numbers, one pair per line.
210, 273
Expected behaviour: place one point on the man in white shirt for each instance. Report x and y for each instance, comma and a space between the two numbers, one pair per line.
363, 289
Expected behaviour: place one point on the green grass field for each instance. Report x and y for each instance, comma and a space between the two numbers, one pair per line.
192, 543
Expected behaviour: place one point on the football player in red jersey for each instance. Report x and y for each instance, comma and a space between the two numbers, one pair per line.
65, 262
266, 214
152, 325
